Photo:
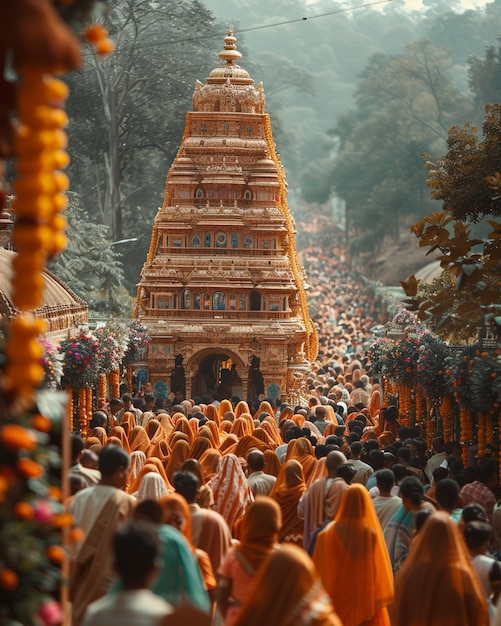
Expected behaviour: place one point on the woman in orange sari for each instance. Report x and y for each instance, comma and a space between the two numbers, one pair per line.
437, 585
262, 435
228, 444
177, 514
287, 491
100, 433
232, 494
265, 407
161, 470
259, 533
246, 444
155, 431
161, 451
212, 414
302, 450
353, 562
241, 427
211, 431
119, 432
271, 463
166, 422
209, 463
183, 426
270, 426
224, 407
287, 591
136, 483
205, 496
200, 445
128, 421
177, 457
139, 440
242, 407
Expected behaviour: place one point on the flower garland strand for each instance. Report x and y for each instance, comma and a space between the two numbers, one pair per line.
446, 415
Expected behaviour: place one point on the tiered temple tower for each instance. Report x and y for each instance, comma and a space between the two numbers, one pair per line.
222, 292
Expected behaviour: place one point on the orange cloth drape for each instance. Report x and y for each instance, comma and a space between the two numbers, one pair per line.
232, 494
259, 530
177, 457
139, 440
287, 491
287, 591
353, 561
437, 585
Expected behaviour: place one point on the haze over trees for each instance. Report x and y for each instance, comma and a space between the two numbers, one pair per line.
355, 97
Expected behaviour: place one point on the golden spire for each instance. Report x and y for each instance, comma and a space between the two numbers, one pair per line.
230, 54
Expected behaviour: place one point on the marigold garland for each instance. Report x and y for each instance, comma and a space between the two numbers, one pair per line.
481, 434
114, 380
446, 415
102, 388
418, 399
82, 412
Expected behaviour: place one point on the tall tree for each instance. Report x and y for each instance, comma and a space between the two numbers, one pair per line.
90, 266
485, 78
405, 104
126, 130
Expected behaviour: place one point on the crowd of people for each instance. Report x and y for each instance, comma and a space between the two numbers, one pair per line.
326, 513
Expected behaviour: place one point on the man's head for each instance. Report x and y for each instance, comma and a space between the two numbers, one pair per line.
438, 444
187, 485
385, 479
89, 459
99, 418
356, 449
486, 471
320, 412
115, 405
114, 464
149, 400
334, 459
375, 459
447, 494
127, 401
136, 548
77, 446
255, 461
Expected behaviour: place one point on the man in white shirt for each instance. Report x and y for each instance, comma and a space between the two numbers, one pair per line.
260, 483
209, 530
136, 548
437, 459
385, 503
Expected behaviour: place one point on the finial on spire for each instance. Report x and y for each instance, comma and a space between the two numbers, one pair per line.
230, 54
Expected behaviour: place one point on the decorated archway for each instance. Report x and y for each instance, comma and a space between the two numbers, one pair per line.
217, 371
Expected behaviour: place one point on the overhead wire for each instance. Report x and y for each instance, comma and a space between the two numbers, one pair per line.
255, 28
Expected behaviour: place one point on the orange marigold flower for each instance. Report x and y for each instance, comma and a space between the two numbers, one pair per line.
24, 510
15, 437
105, 47
8, 579
55, 493
76, 535
41, 423
55, 553
95, 33
63, 520
29, 468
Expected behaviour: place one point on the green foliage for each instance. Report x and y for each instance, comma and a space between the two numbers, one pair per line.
484, 77
466, 177
468, 294
90, 266
127, 113
404, 105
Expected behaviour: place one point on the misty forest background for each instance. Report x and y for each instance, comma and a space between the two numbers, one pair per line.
356, 98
